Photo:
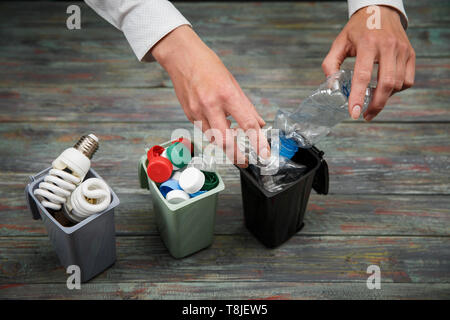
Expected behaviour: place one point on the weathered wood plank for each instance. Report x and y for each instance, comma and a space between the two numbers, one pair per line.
363, 158
231, 15
155, 105
251, 72
326, 215
264, 57
56, 43
227, 290
243, 258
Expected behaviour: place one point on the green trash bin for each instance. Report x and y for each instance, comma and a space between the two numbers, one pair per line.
186, 227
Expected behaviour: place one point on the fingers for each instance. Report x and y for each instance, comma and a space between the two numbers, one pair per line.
260, 120
361, 78
250, 124
410, 70
400, 70
338, 52
386, 83
224, 137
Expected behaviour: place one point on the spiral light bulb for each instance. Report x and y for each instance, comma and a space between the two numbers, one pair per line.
90, 197
69, 169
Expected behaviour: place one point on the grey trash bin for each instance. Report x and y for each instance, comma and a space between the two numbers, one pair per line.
89, 244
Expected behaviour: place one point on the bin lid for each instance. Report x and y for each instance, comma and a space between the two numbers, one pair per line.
321, 177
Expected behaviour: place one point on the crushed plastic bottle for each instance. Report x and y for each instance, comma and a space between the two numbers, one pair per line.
326, 107
279, 170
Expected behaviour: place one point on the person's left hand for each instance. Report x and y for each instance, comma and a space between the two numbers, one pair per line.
388, 46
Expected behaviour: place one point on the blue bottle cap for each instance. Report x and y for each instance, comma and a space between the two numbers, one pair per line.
168, 186
197, 193
288, 147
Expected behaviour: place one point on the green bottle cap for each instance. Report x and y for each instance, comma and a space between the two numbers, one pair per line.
211, 181
178, 154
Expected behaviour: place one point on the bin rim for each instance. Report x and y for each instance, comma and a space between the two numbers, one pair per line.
268, 194
174, 207
68, 230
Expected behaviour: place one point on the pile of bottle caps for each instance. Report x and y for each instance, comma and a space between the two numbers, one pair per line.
180, 175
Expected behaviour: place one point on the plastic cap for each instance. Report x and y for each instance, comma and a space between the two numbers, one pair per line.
159, 169
211, 181
288, 147
187, 143
193, 195
177, 196
178, 154
191, 180
164, 155
168, 186
176, 175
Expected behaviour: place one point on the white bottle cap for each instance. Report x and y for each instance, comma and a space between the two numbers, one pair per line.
164, 155
177, 196
191, 180
176, 175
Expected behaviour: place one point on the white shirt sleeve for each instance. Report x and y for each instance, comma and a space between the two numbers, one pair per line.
143, 22
355, 5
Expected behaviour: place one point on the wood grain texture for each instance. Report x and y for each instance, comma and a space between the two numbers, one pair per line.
210, 14
389, 181
155, 105
56, 43
390, 215
243, 258
262, 53
260, 72
235, 290
363, 158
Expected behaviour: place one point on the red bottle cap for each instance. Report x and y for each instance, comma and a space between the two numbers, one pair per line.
186, 142
159, 169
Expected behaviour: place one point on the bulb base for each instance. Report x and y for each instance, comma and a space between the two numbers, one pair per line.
87, 145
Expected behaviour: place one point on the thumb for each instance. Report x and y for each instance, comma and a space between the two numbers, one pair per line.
338, 52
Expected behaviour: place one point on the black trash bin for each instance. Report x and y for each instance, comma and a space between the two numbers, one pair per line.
274, 217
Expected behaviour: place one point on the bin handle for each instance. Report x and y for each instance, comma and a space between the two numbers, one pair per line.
142, 174
321, 177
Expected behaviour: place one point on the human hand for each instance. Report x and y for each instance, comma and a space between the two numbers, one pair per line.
388, 46
208, 92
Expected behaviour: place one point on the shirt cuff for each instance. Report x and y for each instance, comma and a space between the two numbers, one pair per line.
143, 23
355, 5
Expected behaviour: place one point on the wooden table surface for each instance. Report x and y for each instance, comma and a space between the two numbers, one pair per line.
388, 204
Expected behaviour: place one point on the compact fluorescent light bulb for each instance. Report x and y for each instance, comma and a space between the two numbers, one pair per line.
69, 169
91, 196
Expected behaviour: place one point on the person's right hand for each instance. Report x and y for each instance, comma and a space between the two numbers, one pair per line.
208, 92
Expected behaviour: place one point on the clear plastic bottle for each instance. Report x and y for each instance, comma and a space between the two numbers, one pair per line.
323, 109
326, 107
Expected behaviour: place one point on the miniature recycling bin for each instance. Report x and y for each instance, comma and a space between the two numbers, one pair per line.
89, 244
188, 226
274, 217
